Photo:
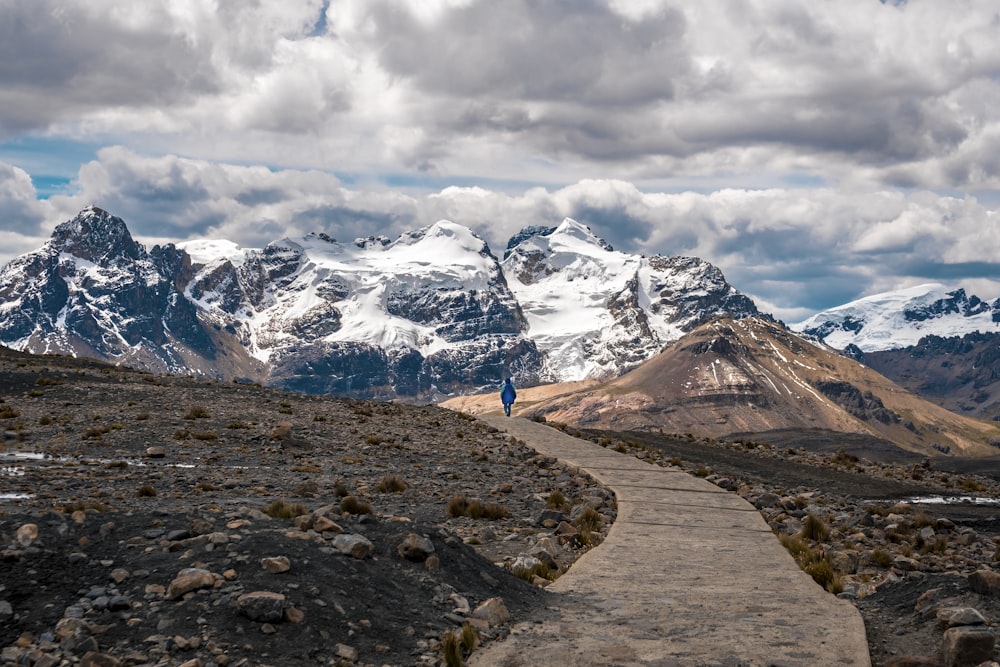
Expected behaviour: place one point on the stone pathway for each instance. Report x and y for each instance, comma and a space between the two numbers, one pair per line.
688, 575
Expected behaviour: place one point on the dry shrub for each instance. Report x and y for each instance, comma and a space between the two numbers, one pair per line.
814, 528
283, 509
353, 505
475, 509
392, 484
590, 520
146, 491
555, 500
197, 412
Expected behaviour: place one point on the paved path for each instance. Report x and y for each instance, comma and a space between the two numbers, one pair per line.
688, 575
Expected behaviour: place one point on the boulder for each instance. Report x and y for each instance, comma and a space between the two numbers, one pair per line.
27, 534
951, 617
415, 548
492, 611
262, 606
276, 564
189, 579
353, 545
985, 582
967, 646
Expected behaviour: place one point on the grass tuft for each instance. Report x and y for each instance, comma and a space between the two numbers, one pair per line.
146, 491
475, 509
556, 500
590, 520
881, 558
282, 509
353, 505
392, 484
451, 649
197, 412
814, 528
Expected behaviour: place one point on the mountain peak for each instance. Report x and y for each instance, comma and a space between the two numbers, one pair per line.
570, 228
898, 319
96, 236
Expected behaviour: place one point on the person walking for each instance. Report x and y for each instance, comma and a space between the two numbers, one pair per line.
507, 396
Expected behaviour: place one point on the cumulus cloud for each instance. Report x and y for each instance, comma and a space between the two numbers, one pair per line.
814, 151
898, 94
797, 250
20, 210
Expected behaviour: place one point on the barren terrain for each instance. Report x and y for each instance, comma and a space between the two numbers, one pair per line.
129, 480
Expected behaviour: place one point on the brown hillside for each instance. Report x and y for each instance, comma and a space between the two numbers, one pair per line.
754, 376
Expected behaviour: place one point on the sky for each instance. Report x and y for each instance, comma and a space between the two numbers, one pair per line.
816, 152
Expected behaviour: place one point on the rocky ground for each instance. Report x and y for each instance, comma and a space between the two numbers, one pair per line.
148, 520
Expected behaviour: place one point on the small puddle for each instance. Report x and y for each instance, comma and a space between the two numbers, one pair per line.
954, 500
21, 456
16, 496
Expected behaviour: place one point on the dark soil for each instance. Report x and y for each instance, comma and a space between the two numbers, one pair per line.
131, 478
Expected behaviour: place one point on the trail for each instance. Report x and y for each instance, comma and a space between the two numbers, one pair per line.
688, 575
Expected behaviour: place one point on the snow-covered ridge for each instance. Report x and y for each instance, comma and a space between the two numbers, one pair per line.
433, 311
898, 319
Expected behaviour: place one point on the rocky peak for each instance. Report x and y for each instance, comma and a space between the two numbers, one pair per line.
96, 236
524, 235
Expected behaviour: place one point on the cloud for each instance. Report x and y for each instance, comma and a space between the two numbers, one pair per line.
20, 210
59, 60
797, 250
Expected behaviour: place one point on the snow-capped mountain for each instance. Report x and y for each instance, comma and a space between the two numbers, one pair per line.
93, 291
597, 312
431, 312
899, 319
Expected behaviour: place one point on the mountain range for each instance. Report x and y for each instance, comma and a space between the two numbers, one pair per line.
899, 319
933, 340
431, 313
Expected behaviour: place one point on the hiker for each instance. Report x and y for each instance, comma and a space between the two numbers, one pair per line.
507, 396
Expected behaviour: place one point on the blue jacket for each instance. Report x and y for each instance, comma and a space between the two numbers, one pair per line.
508, 394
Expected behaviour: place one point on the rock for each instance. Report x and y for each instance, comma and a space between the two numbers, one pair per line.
415, 548
493, 611
282, 431
952, 617
262, 606
276, 564
189, 579
346, 652
156, 452
353, 545
913, 661
118, 575
294, 615
94, 659
767, 500
6, 611
967, 646
193, 662
524, 564
322, 524
985, 582
551, 518
27, 534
